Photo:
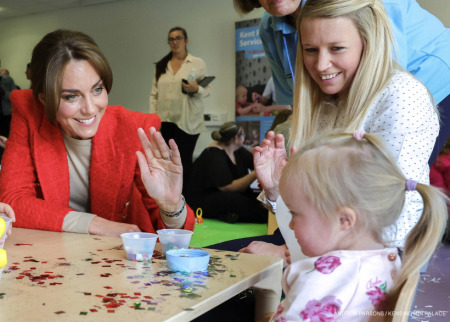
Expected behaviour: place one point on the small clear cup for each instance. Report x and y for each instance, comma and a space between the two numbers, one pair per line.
139, 246
174, 239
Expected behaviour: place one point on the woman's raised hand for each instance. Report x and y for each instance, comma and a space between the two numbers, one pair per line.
161, 170
270, 159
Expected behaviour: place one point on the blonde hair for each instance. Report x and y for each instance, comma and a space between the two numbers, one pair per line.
364, 177
374, 72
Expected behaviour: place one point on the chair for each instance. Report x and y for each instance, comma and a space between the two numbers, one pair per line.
271, 223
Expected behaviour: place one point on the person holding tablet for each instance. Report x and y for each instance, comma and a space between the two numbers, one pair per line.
177, 97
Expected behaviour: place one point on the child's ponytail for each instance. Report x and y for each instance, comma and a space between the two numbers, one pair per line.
424, 237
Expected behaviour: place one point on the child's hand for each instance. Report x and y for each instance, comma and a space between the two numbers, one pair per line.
258, 108
256, 97
267, 249
287, 255
6, 210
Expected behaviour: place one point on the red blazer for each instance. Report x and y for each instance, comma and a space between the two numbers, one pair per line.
34, 178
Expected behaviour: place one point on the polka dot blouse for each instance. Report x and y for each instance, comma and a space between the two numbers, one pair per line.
403, 115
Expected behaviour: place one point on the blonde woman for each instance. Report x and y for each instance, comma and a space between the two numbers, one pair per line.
347, 79
421, 41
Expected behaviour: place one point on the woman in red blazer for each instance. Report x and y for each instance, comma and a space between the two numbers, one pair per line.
70, 163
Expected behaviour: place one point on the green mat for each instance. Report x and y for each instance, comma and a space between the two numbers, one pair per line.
214, 231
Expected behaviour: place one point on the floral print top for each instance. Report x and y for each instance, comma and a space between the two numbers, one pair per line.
338, 286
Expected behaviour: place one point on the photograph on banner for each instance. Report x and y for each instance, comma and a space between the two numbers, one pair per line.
255, 92
255, 128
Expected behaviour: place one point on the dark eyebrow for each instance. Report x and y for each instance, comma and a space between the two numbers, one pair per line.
76, 90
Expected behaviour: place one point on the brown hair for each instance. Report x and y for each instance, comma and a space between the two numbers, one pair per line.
227, 133
161, 66
246, 6
49, 59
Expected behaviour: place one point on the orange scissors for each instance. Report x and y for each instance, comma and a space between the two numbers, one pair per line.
198, 216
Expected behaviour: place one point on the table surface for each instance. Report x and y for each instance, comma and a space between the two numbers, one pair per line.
75, 277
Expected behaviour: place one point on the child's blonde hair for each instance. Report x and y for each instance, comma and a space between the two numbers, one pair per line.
337, 170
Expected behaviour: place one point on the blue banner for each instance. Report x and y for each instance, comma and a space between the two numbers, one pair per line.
248, 40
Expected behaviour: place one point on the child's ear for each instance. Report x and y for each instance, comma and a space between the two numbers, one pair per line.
347, 218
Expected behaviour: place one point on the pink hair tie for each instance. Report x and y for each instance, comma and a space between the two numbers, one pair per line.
358, 135
411, 185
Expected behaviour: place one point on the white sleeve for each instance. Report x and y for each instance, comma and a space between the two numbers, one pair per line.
202, 72
77, 222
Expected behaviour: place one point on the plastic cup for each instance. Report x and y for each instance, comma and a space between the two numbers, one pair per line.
174, 239
187, 260
8, 223
139, 246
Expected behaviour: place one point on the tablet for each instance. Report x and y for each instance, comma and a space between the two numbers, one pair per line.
205, 81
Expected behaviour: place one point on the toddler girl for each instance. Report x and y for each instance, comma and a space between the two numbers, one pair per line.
344, 192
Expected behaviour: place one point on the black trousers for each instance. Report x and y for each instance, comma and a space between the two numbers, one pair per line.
186, 144
5, 124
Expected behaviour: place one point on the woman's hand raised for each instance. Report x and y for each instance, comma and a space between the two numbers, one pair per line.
270, 159
161, 170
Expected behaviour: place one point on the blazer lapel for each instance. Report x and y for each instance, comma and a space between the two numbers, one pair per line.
51, 163
107, 166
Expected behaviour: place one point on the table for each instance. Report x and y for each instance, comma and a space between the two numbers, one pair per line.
76, 277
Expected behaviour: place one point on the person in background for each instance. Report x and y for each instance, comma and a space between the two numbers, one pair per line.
221, 178
6, 210
440, 177
268, 100
7, 85
72, 163
180, 104
279, 119
354, 84
421, 42
243, 107
28, 71
3, 140
339, 220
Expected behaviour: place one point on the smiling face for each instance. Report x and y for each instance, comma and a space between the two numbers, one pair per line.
280, 8
315, 234
332, 49
83, 100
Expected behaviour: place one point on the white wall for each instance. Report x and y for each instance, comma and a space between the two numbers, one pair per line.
133, 35
439, 8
